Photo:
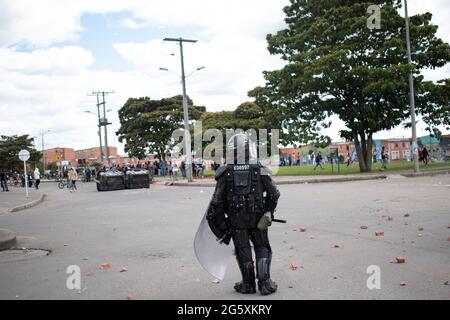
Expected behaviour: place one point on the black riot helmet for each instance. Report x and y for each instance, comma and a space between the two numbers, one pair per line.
241, 149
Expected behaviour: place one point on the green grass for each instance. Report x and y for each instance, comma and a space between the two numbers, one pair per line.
354, 169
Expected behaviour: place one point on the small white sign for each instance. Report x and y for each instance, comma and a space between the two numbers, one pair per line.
24, 155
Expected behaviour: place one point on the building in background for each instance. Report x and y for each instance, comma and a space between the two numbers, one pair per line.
92, 155
444, 146
432, 144
400, 149
61, 155
344, 148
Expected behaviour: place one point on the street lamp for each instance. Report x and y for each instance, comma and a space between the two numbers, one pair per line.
43, 153
198, 69
187, 137
411, 95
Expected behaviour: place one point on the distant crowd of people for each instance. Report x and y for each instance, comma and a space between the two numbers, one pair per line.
13, 178
163, 168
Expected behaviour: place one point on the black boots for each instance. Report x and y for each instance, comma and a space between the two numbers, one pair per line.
247, 285
265, 284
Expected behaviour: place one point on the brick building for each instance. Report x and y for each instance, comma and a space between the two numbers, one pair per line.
58, 154
92, 155
400, 149
343, 148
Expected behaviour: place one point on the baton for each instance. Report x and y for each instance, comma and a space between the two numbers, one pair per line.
279, 220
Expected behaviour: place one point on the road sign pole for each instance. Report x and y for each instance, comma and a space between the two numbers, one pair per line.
26, 176
24, 155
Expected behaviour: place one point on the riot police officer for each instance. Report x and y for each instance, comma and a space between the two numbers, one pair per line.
242, 208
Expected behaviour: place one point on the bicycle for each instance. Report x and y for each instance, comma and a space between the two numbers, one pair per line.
64, 183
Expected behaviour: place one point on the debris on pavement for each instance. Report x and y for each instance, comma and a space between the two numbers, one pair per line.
400, 259
90, 273
105, 265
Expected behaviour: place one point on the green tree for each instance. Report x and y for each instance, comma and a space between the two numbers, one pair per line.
52, 166
147, 125
247, 115
10, 147
336, 65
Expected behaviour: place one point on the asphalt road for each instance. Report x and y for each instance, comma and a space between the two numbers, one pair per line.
150, 232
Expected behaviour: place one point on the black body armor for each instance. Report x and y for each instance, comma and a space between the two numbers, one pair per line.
244, 192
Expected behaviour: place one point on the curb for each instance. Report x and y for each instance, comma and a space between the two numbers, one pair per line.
296, 181
7, 239
327, 180
425, 174
28, 205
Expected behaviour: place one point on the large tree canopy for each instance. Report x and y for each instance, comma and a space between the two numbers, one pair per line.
9, 152
147, 125
247, 115
336, 65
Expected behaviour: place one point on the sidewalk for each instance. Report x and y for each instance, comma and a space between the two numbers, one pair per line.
16, 199
210, 182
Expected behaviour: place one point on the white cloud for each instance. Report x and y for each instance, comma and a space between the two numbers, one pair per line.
130, 24
54, 60
233, 65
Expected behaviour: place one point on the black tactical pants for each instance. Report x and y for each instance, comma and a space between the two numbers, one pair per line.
260, 240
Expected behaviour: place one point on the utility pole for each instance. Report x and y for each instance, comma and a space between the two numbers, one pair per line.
187, 135
102, 122
43, 152
411, 95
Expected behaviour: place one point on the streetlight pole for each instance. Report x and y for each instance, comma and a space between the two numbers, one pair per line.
411, 95
99, 130
187, 135
106, 130
102, 122
43, 152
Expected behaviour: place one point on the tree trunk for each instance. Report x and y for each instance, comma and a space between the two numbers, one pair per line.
363, 148
369, 152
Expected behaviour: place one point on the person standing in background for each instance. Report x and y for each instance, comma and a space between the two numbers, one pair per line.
4, 180
318, 161
37, 178
383, 158
73, 176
